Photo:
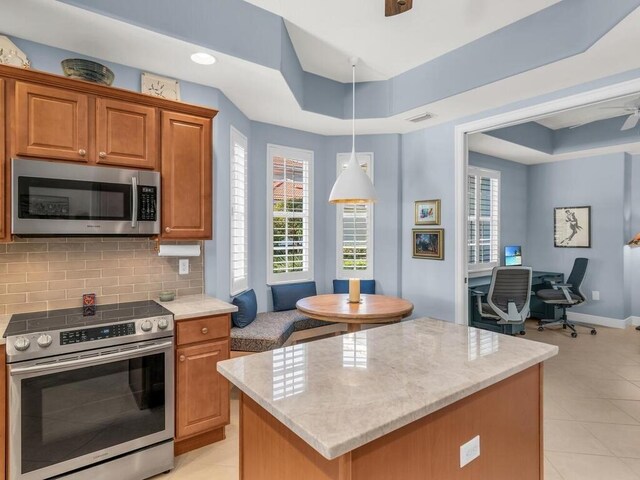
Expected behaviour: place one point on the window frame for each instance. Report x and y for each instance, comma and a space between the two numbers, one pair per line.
493, 174
240, 284
302, 155
364, 158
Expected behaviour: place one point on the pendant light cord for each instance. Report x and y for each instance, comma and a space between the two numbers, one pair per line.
353, 102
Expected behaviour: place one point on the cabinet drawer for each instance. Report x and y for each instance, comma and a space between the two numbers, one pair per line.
202, 329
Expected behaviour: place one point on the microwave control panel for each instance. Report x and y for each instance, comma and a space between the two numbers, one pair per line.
147, 203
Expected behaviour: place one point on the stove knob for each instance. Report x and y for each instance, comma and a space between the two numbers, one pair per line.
21, 344
146, 326
44, 340
163, 323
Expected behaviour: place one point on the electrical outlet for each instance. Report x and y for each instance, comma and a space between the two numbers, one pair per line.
595, 295
470, 451
183, 266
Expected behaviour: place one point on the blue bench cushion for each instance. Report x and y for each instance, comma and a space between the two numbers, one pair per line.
285, 297
270, 331
247, 309
366, 286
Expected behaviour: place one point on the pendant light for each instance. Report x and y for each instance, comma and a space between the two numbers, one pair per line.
353, 185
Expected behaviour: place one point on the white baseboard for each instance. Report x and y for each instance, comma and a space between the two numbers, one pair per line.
597, 320
635, 321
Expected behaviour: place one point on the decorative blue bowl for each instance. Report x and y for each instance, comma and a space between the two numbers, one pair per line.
87, 70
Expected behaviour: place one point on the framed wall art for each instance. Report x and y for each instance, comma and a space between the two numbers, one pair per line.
427, 212
158, 86
572, 227
428, 243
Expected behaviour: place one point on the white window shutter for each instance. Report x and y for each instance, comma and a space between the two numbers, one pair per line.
239, 241
483, 226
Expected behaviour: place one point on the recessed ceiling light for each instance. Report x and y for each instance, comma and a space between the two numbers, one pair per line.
203, 58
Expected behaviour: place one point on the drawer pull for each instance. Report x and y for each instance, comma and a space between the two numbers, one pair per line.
102, 155
82, 152
167, 229
205, 330
182, 358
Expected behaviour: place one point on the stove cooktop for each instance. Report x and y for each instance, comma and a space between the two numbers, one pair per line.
25, 323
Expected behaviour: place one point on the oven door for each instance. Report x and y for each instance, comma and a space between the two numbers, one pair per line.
77, 410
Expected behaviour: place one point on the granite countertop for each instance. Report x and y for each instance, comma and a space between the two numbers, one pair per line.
4, 321
194, 306
340, 393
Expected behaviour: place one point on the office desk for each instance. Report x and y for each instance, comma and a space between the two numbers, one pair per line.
539, 309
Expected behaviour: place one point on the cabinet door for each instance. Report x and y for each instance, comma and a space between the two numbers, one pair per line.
51, 123
3, 168
186, 176
126, 134
202, 394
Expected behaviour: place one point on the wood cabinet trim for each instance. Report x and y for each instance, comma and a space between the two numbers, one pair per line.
84, 87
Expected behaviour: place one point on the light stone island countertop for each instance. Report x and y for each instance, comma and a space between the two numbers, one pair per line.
194, 306
4, 322
340, 393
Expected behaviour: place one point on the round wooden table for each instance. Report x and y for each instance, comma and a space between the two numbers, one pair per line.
372, 309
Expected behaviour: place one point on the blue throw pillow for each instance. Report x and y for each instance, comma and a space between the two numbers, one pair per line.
247, 309
285, 297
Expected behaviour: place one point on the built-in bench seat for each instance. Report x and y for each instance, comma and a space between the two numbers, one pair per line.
284, 326
271, 330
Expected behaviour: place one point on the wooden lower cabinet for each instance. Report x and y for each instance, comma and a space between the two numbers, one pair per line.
202, 394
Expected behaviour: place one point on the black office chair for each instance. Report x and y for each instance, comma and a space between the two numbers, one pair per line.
566, 295
508, 300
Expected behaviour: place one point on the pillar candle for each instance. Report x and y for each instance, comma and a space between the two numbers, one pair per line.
354, 290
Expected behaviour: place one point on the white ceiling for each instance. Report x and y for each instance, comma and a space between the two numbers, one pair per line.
263, 95
325, 33
591, 113
488, 145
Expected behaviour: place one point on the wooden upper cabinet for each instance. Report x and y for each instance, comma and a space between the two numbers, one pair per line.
126, 134
4, 191
202, 394
186, 176
51, 123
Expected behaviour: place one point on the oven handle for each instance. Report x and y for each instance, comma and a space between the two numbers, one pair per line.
15, 371
134, 190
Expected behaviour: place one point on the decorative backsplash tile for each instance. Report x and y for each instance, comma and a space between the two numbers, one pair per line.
49, 273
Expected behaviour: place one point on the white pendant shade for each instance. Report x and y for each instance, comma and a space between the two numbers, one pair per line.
353, 185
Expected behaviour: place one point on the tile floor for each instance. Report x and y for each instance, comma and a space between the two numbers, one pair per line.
592, 413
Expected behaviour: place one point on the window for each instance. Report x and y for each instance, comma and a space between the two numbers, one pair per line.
484, 216
239, 243
354, 229
289, 207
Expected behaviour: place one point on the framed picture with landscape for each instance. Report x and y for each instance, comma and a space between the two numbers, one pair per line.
572, 227
428, 243
427, 212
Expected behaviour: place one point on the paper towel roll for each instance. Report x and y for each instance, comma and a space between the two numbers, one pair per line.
179, 251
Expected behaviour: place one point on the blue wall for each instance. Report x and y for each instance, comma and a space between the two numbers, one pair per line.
514, 197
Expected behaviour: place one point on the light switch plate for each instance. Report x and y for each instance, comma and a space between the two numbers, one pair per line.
470, 451
595, 294
183, 266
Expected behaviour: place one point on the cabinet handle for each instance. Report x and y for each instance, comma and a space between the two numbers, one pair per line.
102, 155
167, 229
182, 358
205, 330
82, 152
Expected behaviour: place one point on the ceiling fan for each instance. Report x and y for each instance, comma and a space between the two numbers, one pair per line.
632, 120
395, 7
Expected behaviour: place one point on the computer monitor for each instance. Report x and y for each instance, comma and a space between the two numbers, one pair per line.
513, 255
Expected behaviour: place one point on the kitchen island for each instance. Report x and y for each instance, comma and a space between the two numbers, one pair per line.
394, 402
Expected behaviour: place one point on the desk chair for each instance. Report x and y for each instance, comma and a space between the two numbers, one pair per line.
566, 295
508, 300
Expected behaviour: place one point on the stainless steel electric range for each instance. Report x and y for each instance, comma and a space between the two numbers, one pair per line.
91, 397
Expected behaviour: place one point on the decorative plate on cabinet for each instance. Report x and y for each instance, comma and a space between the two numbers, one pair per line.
10, 54
158, 86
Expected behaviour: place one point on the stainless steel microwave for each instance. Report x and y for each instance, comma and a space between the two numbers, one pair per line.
52, 198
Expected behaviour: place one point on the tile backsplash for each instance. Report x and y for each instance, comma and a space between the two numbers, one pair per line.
50, 273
